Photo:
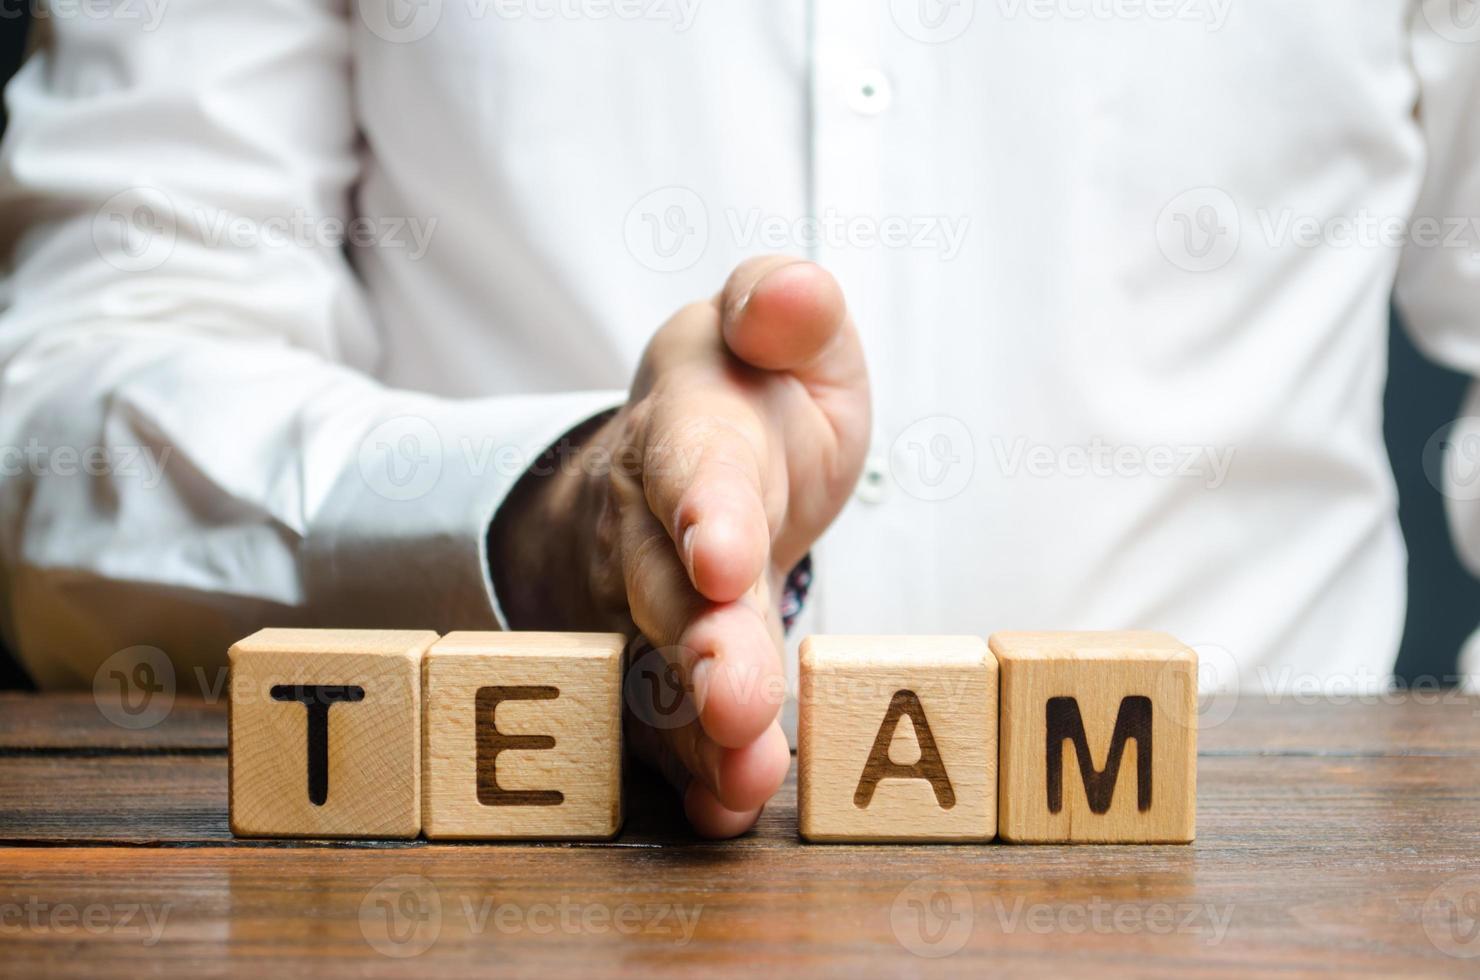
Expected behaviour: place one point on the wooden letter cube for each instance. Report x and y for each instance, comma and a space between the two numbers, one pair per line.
324, 733
897, 739
523, 736
1099, 737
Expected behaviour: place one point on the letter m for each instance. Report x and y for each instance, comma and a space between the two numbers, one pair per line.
1133, 721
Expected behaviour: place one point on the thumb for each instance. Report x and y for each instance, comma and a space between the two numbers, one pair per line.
786, 314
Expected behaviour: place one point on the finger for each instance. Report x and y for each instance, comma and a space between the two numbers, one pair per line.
739, 779
703, 477
751, 775
711, 819
729, 652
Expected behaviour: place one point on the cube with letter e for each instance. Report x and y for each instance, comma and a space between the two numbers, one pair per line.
1099, 737
522, 736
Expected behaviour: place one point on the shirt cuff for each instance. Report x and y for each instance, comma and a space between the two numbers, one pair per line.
401, 538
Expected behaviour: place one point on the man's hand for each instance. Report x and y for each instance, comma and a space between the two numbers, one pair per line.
742, 437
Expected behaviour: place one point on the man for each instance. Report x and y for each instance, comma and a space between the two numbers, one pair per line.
319, 314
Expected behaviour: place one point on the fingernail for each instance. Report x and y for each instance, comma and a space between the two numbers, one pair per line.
711, 754
699, 682
738, 306
688, 544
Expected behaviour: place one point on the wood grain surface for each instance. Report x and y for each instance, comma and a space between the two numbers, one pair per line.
1332, 837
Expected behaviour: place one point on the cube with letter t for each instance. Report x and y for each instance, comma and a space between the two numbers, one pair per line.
1099, 737
324, 733
897, 739
522, 736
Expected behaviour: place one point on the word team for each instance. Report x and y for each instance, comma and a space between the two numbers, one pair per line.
1031, 738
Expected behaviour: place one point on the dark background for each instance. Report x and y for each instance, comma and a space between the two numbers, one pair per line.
1443, 599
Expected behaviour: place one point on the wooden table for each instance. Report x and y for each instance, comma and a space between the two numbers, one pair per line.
1330, 836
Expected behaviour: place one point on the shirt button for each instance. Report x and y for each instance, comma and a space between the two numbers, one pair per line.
873, 485
871, 92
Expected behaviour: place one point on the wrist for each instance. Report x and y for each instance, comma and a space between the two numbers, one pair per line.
541, 543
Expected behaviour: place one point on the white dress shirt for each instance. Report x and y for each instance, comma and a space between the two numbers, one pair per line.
296, 289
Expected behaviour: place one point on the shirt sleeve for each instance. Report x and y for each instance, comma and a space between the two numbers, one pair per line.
1438, 287
190, 445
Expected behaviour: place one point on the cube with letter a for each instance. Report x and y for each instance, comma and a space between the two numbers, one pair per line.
324, 733
897, 739
522, 736
1099, 737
